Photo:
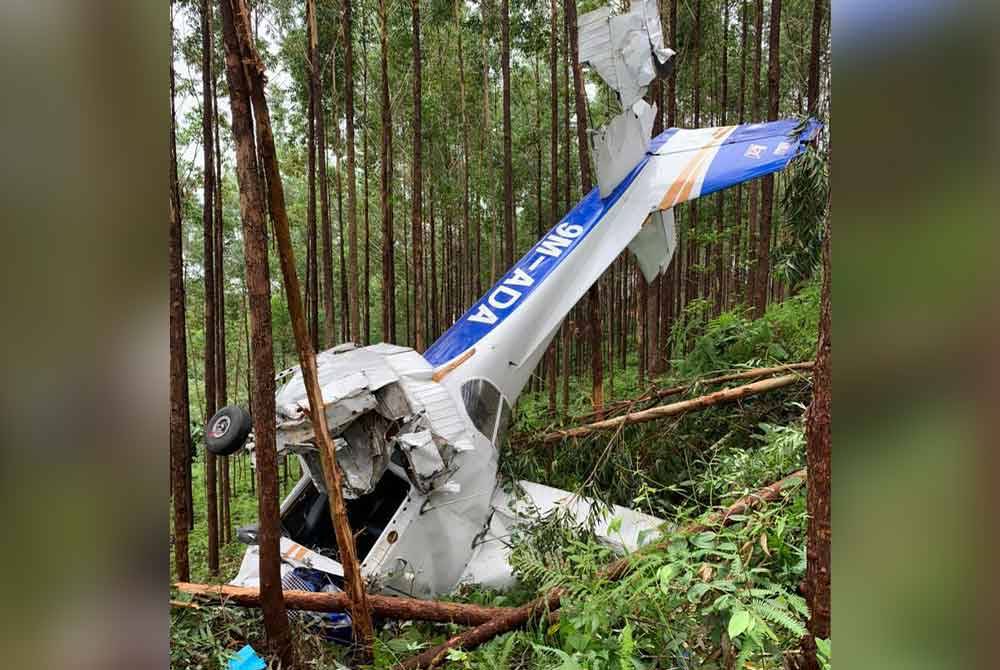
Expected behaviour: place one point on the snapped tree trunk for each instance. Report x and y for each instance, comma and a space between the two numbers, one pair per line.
242, 50
390, 607
673, 409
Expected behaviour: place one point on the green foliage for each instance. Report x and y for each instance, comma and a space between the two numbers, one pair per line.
804, 206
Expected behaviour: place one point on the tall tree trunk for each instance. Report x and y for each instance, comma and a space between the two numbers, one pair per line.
211, 348
352, 182
364, 159
754, 186
471, 283
220, 322
819, 8
720, 222
693, 244
385, 168
316, 75
586, 184
243, 52
259, 289
312, 274
508, 183
738, 290
180, 413
818, 461
417, 189
767, 184
553, 168
344, 333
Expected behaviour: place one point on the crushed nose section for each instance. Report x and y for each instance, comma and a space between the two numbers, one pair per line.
382, 407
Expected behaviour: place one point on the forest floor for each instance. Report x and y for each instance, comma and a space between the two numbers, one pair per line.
721, 598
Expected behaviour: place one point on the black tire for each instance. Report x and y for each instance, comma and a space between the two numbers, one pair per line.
227, 431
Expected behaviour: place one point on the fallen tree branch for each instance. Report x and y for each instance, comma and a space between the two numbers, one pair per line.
673, 409
389, 607
550, 602
660, 394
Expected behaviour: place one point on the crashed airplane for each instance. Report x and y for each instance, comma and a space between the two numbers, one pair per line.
418, 436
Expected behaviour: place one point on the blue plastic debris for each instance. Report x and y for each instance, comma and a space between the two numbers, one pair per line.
247, 659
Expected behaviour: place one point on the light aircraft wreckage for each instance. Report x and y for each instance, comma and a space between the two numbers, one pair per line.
418, 437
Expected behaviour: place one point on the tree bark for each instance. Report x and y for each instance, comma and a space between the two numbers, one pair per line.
471, 283
767, 184
385, 169
246, 76
390, 607
819, 462
180, 420
508, 183
352, 182
594, 324
417, 189
814, 51
654, 413
312, 273
211, 348
364, 159
316, 74
553, 169
754, 186
659, 394
720, 222
259, 289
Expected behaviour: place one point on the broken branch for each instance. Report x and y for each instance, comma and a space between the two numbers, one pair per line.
389, 607
659, 394
673, 409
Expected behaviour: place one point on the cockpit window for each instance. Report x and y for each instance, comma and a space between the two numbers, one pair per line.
482, 402
503, 425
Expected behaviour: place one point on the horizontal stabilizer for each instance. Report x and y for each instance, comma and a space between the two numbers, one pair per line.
688, 164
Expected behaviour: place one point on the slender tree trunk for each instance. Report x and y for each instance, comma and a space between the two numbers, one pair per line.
417, 189
819, 8
508, 183
818, 461
316, 74
220, 302
720, 222
364, 158
553, 168
259, 289
388, 256
767, 184
211, 348
339, 185
594, 322
352, 181
180, 420
243, 52
312, 274
754, 186
738, 289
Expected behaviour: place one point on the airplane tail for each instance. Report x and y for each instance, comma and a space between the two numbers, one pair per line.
502, 337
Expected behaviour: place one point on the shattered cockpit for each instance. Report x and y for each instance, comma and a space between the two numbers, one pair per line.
382, 408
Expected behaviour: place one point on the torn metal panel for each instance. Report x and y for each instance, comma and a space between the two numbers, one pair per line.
423, 455
619, 145
654, 245
626, 50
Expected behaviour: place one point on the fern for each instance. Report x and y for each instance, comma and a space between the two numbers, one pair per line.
769, 610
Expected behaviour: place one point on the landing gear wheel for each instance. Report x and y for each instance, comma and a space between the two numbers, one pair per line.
227, 431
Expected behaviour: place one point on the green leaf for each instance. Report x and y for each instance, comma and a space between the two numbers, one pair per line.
738, 623
615, 526
665, 574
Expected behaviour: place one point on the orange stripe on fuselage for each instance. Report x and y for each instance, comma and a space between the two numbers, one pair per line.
680, 189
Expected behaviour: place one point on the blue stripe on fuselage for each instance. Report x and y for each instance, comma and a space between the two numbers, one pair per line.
587, 214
